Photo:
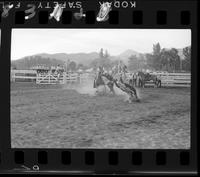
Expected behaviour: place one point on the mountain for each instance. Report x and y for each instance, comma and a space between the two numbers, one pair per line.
61, 58
126, 54
82, 58
54, 59
28, 62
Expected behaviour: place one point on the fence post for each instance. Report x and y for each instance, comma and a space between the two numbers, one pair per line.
49, 78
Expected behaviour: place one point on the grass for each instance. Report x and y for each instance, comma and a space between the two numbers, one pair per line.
53, 117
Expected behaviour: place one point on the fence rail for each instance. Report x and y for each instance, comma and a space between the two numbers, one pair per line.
167, 79
175, 79
23, 75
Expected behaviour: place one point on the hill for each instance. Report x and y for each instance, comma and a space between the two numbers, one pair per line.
80, 58
53, 59
28, 62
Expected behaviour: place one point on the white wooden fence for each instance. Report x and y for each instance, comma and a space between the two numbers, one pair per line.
175, 79
49, 78
170, 79
167, 79
23, 75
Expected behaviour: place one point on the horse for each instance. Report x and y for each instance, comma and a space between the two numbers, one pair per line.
127, 88
99, 81
144, 77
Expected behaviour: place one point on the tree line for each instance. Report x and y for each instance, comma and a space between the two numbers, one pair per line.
162, 60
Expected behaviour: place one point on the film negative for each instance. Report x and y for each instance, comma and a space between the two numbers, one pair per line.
98, 87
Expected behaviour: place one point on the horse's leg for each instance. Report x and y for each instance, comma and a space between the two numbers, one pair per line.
112, 89
130, 99
96, 92
158, 84
109, 86
142, 83
155, 84
136, 95
104, 88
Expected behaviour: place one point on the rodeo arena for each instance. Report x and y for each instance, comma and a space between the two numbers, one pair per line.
99, 108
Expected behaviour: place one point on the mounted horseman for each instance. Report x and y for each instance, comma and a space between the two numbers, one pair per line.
122, 81
125, 87
100, 81
145, 77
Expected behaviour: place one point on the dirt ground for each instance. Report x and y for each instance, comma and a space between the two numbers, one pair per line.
44, 116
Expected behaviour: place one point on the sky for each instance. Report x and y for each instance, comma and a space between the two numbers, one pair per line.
26, 42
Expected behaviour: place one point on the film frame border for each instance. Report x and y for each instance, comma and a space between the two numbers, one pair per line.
80, 160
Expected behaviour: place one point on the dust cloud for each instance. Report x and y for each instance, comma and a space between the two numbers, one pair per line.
87, 88
82, 88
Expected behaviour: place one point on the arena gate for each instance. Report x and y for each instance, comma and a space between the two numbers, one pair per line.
49, 78
64, 78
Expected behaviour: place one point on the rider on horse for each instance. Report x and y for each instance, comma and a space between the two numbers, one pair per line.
99, 81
